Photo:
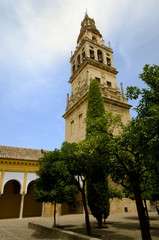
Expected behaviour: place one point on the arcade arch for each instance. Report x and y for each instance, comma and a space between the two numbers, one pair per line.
10, 200
31, 207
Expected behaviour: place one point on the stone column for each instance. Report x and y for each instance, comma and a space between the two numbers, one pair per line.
87, 51
122, 90
104, 58
24, 182
43, 209
1, 180
95, 54
21, 205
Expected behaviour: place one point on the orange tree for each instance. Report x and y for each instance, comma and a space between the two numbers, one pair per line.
135, 152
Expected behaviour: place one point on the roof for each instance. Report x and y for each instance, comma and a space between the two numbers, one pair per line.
19, 153
88, 24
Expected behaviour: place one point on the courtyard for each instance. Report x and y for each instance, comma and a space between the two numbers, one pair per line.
118, 226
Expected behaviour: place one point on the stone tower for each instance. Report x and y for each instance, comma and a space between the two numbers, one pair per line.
91, 60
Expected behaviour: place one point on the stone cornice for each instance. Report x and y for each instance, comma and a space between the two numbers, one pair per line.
106, 99
117, 103
18, 165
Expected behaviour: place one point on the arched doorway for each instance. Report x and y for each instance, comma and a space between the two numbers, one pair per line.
10, 200
31, 207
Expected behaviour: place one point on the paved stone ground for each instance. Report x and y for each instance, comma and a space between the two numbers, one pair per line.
119, 226
17, 229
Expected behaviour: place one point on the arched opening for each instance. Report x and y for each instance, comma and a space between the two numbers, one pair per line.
73, 67
108, 61
31, 208
78, 61
100, 56
94, 39
83, 56
10, 200
91, 54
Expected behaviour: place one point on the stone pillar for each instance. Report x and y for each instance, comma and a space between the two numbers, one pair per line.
24, 182
67, 103
21, 205
1, 180
95, 54
104, 58
43, 209
87, 51
122, 91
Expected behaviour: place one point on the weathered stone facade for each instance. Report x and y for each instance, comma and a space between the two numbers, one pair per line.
93, 60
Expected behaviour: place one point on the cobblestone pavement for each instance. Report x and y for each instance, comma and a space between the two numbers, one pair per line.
119, 226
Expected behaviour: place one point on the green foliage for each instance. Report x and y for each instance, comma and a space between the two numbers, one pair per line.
149, 187
95, 109
149, 96
54, 183
79, 168
97, 180
95, 101
147, 124
98, 194
115, 192
133, 92
136, 151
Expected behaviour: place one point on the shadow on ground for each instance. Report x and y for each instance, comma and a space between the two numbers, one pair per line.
135, 218
105, 233
114, 230
39, 235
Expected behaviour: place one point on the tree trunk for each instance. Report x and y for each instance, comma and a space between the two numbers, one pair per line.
104, 221
100, 223
146, 210
88, 227
144, 226
55, 214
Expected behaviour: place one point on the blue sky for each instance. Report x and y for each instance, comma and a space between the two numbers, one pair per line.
36, 40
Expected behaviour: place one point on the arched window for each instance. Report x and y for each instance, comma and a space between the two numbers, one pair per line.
94, 39
73, 68
108, 61
100, 56
98, 80
78, 61
92, 54
83, 56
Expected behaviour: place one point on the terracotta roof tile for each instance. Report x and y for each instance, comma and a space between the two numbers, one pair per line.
19, 153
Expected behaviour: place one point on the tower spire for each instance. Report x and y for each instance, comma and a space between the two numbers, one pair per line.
86, 12
88, 25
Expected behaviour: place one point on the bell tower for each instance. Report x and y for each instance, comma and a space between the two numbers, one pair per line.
92, 59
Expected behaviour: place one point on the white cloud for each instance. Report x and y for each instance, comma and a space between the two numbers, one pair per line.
36, 38
37, 35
